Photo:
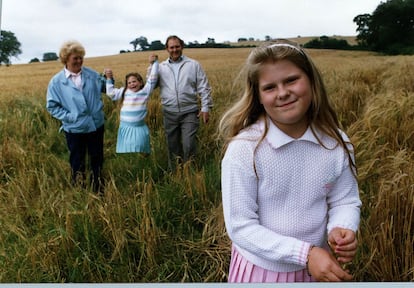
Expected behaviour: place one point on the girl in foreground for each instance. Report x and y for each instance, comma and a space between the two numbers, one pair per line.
288, 174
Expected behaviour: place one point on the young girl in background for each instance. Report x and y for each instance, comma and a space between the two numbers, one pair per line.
133, 132
288, 175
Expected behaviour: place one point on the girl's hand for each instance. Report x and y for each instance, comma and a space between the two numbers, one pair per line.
153, 58
324, 267
343, 244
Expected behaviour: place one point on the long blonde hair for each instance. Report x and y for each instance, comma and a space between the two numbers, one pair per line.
248, 109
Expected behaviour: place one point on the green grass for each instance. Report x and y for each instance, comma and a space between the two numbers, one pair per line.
153, 225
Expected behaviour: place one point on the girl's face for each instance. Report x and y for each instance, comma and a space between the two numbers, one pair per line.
133, 83
286, 94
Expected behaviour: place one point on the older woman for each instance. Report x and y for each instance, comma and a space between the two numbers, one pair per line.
74, 98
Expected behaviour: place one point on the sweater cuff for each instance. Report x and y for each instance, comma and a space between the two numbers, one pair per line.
304, 251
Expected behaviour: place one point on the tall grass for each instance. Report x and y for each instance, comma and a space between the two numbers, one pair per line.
153, 225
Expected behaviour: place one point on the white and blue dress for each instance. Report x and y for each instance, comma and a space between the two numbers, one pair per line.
133, 132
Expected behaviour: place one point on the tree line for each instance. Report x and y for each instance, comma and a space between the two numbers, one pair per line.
389, 30
142, 44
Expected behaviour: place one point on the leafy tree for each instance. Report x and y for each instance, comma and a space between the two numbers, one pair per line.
210, 41
9, 47
156, 45
390, 28
363, 29
34, 60
142, 42
324, 42
194, 44
50, 56
134, 43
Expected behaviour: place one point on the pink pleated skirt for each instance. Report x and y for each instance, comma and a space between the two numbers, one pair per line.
243, 271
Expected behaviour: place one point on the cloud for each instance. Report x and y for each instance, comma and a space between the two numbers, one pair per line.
105, 27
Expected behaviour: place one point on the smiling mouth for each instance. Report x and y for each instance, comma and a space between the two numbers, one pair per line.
286, 104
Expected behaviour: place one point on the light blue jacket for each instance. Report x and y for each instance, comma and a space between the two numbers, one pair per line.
79, 111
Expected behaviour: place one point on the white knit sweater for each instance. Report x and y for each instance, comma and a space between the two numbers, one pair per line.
300, 192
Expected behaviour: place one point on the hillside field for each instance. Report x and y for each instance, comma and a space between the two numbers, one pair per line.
152, 225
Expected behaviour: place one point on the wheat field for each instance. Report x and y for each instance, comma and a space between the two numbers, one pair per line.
156, 226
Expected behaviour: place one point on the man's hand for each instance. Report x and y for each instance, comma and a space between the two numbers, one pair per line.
108, 73
152, 58
205, 116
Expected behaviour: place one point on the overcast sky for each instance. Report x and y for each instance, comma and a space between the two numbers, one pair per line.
105, 27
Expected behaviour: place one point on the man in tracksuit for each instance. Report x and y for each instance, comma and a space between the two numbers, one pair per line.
183, 84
